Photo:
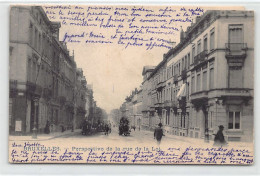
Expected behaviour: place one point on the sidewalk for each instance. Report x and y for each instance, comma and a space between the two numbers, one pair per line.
178, 138
196, 141
43, 137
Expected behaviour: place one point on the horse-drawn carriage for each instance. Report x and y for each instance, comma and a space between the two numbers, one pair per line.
86, 128
124, 128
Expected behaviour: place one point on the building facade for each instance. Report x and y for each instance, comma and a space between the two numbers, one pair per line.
206, 80
43, 75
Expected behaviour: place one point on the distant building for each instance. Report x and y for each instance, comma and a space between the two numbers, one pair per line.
90, 104
81, 91
147, 111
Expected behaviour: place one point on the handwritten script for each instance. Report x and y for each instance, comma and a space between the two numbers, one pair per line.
39, 153
126, 26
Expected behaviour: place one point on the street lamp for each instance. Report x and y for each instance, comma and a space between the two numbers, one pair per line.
36, 99
139, 123
34, 130
206, 125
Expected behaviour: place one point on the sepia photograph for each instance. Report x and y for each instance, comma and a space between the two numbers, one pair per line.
131, 84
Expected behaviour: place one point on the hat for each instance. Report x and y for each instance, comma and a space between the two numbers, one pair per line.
160, 124
221, 126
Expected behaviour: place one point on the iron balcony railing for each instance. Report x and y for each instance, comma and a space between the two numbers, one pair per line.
200, 57
236, 48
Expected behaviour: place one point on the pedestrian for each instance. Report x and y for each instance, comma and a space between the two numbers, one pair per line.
158, 133
106, 129
219, 139
47, 127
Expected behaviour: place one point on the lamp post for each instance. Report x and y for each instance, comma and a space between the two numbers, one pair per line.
139, 123
34, 130
206, 125
36, 100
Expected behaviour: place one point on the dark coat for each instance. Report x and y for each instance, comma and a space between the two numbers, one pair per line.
219, 138
158, 133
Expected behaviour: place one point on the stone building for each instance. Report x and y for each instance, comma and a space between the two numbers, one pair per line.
42, 74
147, 111
206, 80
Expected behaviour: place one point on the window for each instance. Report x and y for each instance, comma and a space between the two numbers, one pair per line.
196, 119
188, 60
187, 91
235, 77
172, 94
35, 39
167, 118
212, 39
183, 118
198, 82
40, 43
33, 71
193, 54
234, 120
211, 78
179, 68
29, 70
185, 62
172, 70
174, 121
31, 34
199, 47
163, 98
236, 33
182, 64
205, 43
204, 81
193, 84
210, 122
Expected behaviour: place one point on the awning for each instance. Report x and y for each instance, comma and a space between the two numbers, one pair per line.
182, 92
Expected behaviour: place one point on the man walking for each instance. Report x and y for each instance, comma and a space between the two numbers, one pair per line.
158, 133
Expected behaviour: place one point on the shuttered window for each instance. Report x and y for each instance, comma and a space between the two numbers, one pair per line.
235, 77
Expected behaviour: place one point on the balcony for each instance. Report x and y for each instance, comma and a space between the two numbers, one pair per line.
233, 92
47, 93
170, 104
167, 103
175, 79
201, 57
33, 88
184, 74
199, 97
158, 104
236, 51
160, 85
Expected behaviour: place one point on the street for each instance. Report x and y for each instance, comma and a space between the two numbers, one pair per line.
136, 138
141, 137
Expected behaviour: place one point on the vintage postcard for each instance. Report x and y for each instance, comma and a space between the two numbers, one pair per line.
126, 84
